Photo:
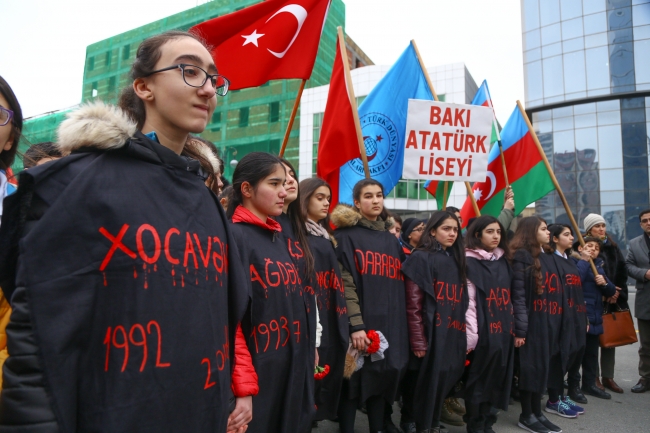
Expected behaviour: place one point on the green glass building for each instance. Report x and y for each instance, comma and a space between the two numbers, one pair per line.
245, 120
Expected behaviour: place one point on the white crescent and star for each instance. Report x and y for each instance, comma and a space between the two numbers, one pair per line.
478, 193
297, 11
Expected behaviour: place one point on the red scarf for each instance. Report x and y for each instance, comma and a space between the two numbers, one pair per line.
243, 215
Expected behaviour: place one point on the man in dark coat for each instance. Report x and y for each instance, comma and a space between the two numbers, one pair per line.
638, 266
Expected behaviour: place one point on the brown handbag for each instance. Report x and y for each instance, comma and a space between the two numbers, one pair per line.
618, 329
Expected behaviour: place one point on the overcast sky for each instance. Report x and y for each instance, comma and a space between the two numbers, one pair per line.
43, 44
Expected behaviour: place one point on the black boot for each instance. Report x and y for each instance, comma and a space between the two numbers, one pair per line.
576, 394
490, 420
596, 392
476, 424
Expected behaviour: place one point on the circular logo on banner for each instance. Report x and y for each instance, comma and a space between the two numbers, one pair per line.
381, 140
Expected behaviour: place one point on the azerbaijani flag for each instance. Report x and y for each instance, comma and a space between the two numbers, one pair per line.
484, 99
437, 189
527, 173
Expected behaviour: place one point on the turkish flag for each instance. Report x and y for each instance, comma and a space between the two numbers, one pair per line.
271, 40
338, 141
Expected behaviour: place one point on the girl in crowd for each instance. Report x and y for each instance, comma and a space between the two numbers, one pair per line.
370, 261
561, 240
615, 270
11, 125
276, 320
535, 332
490, 323
326, 281
595, 288
125, 314
436, 305
411, 233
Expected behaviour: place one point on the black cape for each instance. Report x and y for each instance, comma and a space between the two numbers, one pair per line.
542, 340
445, 305
374, 260
277, 332
559, 320
134, 287
330, 297
575, 309
490, 374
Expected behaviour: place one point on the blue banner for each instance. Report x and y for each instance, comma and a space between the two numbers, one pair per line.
383, 123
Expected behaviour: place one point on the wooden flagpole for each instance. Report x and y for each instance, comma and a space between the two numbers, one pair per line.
496, 128
353, 101
576, 229
445, 188
294, 111
435, 97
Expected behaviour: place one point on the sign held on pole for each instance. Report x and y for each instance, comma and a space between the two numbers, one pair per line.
446, 141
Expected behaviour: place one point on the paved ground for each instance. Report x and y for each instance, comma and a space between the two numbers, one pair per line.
626, 412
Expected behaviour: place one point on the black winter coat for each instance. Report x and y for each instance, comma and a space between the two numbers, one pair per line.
614, 267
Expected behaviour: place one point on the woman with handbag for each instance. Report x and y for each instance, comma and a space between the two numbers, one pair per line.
594, 288
614, 267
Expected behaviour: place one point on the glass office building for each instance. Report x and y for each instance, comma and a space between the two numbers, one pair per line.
587, 84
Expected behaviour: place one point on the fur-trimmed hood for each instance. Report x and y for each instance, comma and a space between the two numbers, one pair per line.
95, 125
105, 127
345, 215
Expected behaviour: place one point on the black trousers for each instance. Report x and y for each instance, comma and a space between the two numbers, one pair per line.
573, 377
590, 361
348, 411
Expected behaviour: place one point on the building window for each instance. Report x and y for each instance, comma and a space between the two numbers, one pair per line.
243, 117
126, 52
111, 84
94, 88
108, 59
91, 63
274, 112
216, 121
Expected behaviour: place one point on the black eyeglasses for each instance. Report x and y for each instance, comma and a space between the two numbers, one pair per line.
193, 77
5, 116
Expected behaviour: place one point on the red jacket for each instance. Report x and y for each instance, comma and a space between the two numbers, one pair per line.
244, 377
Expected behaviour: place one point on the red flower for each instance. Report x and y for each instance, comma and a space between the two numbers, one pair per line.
374, 345
321, 372
466, 362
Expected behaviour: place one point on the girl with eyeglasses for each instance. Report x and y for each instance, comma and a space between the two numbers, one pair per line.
11, 124
126, 290
436, 303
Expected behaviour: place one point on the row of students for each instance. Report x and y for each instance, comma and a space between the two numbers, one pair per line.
133, 314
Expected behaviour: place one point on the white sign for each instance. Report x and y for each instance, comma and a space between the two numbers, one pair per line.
447, 141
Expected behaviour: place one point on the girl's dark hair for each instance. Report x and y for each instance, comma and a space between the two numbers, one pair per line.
252, 168
7, 156
359, 186
145, 61
526, 239
298, 220
475, 232
429, 243
307, 188
193, 149
39, 151
556, 230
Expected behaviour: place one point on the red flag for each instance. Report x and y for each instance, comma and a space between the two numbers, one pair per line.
271, 40
339, 140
